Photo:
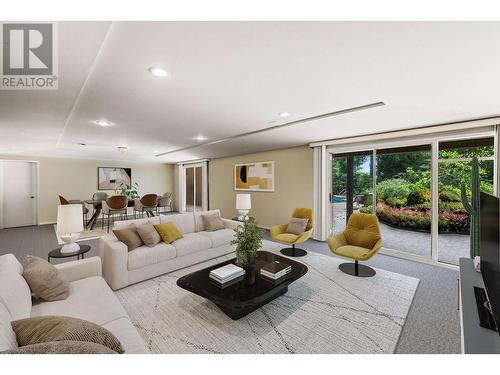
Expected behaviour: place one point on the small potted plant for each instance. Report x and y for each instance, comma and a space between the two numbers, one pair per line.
129, 190
248, 239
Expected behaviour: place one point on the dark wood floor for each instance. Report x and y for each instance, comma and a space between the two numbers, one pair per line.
37, 241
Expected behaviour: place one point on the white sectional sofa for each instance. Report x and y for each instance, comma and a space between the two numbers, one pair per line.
90, 298
122, 268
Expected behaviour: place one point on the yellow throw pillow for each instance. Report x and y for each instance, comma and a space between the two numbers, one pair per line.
168, 232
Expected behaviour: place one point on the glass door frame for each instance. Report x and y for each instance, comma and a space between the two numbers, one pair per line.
204, 184
433, 141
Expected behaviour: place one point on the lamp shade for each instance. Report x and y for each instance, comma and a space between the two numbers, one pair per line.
69, 218
243, 202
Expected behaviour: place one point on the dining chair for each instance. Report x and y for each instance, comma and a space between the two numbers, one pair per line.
115, 205
146, 204
164, 202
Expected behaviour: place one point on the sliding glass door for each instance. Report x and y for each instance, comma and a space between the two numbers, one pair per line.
194, 187
404, 198
415, 191
455, 168
352, 186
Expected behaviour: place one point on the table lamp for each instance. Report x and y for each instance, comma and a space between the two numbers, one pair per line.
69, 226
243, 205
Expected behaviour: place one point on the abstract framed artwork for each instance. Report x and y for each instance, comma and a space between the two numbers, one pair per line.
111, 178
258, 176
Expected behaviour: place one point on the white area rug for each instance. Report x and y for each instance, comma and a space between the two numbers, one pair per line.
87, 234
326, 311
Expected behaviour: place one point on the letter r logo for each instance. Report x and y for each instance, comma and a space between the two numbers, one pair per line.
27, 49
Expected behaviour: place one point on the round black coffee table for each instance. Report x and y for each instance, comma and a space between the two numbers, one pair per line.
80, 254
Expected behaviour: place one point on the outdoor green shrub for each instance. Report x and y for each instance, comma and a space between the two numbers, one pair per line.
414, 198
366, 210
394, 188
449, 196
395, 202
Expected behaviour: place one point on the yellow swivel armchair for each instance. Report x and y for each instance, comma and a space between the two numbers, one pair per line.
359, 241
278, 233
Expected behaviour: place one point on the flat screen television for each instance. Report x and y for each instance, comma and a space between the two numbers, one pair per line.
490, 251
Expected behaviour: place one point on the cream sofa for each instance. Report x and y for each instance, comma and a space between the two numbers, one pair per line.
122, 268
90, 298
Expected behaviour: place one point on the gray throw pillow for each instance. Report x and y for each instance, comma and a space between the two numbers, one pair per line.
297, 225
62, 347
149, 235
129, 237
212, 222
44, 279
49, 328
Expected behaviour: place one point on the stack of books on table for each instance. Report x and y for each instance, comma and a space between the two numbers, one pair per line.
227, 273
275, 270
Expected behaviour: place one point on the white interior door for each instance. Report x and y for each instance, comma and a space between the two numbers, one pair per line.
18, 190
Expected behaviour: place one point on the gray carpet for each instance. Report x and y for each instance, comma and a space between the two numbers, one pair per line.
324, 312
432, 325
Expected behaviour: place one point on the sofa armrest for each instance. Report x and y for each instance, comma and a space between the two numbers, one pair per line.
231, 224
80, 269
114, 255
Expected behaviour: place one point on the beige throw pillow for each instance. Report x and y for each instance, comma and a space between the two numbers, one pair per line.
44, 279
62, 347
62, 328
129, 237
297, 225
212, 222
149, 235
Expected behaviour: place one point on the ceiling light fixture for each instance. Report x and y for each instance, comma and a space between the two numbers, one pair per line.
201, 138
103, 123
122, 148
158, 72
283, 114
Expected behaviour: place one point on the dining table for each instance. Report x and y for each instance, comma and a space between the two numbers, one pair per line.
97, 204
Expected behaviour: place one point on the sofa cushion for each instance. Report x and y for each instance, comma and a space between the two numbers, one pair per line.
199, 225
8, 262
61, 328
127, 334
219, 237
44, 280
129, 237
192, 243
128, 223
149, 235
62, 347
184, 222
7, 335
15, 294
90, 299
168, 232
144, 255
212, 222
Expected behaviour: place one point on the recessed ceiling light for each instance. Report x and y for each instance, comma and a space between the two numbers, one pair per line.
283, 114
122, 148
201, 138
158, 72
103, 123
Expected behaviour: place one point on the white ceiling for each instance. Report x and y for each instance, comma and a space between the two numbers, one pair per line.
229, 78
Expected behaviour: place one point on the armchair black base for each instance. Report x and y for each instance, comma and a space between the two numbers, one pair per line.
356, 269
293, 252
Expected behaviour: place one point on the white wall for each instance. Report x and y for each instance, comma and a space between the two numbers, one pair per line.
77, 179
